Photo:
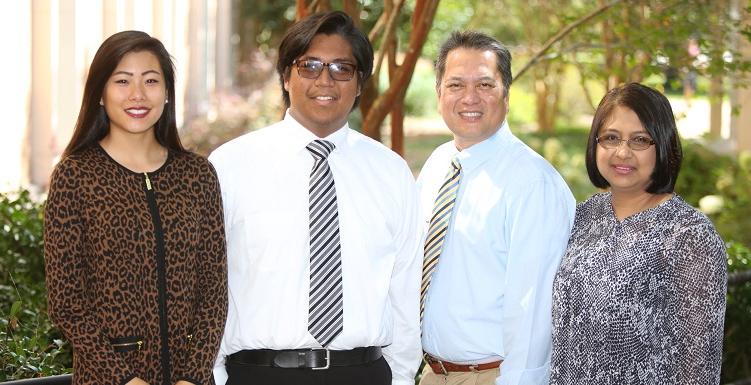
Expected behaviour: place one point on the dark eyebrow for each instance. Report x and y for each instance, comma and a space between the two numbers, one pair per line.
131, 73
482, 79
337, 60
642, 132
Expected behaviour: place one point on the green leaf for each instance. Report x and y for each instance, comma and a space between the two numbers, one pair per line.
15, 308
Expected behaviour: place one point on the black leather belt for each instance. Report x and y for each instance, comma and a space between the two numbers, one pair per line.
306, 358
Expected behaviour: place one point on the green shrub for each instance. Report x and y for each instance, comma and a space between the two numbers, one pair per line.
733, 220
30, 346
565, 150
700, 170
736, 358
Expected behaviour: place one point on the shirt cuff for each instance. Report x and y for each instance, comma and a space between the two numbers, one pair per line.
220, 375
535, 376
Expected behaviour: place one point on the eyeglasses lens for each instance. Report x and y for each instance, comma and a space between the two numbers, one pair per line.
634, 144
311, 69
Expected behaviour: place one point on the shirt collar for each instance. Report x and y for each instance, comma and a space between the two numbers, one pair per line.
477, 154
298, 137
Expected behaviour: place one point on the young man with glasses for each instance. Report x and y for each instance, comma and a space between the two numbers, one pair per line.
321, 222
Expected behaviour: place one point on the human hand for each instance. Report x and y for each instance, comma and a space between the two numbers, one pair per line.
183, 382
136, 381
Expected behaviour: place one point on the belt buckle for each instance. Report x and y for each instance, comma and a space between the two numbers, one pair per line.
430, 360
328, 361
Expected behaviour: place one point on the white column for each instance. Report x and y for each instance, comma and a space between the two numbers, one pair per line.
39, 154
196, 100
15, 22
223, 83
110, 11
181, 50
128, 15
161, 27
67, 84
140, 16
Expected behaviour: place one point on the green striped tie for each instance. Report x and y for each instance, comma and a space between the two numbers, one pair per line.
439, 223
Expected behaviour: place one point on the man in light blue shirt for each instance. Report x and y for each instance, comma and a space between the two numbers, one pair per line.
487, 305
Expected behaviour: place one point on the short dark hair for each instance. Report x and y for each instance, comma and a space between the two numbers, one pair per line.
298, 37
656, 115
479, 41
93, 124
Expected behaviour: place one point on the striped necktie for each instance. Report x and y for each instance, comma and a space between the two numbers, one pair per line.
325, 312
439, 222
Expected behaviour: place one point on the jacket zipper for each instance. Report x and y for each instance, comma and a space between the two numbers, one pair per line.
124, 344
161, 278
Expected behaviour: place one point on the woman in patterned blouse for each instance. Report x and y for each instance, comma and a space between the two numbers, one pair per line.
639, 297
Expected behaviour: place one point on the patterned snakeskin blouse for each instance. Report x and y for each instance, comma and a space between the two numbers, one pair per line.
639, 301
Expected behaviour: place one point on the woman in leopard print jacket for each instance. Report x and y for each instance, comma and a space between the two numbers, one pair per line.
134, 237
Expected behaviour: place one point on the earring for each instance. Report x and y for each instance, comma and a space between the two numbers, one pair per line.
166, 101
101, 103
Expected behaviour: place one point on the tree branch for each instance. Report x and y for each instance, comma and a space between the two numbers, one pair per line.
562, 33
422, 19
388, 35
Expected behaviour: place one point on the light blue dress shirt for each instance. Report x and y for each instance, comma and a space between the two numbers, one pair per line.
490, 296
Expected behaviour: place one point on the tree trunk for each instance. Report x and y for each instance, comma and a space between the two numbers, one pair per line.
397, 112
422, 20
716, 88
715, 106
741, 122
352, 8
607, 41
387, 23
541, 103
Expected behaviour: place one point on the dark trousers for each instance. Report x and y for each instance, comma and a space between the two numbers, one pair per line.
374, 373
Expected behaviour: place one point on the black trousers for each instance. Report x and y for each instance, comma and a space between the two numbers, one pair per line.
377, 372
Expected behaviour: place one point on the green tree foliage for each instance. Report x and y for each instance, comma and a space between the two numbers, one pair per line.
639, 38
29, 345
633, 40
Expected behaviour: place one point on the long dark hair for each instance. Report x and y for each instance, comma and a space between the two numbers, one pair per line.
93, 124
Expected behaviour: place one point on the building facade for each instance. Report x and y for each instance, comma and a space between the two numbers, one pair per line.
50, 46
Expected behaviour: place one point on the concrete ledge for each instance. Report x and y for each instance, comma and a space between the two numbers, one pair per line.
64, 379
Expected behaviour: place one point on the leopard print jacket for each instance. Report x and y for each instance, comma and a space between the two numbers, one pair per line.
136, 268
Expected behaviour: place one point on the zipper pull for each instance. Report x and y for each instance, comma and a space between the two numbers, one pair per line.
139, 343
148, 181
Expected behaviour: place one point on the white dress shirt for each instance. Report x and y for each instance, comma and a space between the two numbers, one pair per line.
490, 295
264, 178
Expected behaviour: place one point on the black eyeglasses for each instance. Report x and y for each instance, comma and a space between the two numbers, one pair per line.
638, 143
311, 69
